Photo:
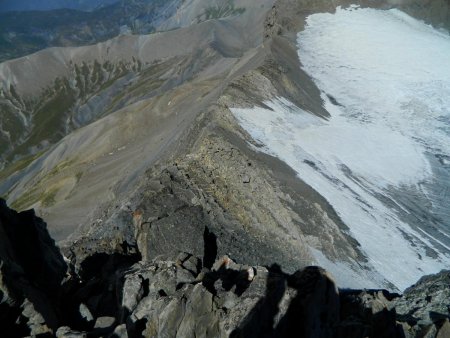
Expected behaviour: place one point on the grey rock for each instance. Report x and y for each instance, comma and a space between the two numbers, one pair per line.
132, 292
200, 319
165, 281
67, 332
35, 320
104, 323
185, 276
427, 301
192, 264
163, 238
207, 227
171, 317
85, 313
228, 303
120, 331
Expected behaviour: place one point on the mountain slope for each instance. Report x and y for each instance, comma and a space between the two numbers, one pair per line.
180, 159
158, 105
45, 5
22, 33
45, 96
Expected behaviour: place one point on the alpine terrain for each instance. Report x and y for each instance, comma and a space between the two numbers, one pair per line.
225, 168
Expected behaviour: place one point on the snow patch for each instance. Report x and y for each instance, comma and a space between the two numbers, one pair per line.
385, 79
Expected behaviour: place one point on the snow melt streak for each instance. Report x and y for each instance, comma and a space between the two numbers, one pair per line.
389, 78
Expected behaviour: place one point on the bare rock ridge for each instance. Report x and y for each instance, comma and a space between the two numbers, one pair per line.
122, 293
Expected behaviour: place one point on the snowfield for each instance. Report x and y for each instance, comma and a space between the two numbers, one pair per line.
381, 158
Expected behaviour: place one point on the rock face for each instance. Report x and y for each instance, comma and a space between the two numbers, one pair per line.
31, 272
426, 306
173, 293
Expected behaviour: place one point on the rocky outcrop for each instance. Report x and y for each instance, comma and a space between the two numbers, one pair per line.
31, 272
424, 308
169, 292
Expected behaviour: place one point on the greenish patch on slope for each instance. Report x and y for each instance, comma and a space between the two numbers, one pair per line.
49, 198
221, 10
50, 115
47, 187
18, 165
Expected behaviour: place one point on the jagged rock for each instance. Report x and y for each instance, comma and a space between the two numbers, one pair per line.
228, 302
31, 272
178, 217
67, 332
35, 320
85, 313
184, 276
104, 326
132, 293
192, 295
190, 263
120, 331
200, 318
104, 322
179, 294
427, 301
424, 308
368, 313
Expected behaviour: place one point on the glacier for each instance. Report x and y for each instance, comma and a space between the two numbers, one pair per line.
382, 157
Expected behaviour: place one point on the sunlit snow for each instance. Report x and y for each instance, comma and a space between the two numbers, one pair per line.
374, 159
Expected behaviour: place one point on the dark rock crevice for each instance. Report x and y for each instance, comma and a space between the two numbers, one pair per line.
210, 248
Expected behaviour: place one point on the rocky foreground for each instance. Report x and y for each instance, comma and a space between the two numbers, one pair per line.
129, 293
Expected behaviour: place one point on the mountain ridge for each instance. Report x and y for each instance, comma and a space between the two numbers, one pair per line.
22, 33
25, 5
188, 136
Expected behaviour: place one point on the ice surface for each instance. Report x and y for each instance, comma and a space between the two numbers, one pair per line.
389, 77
